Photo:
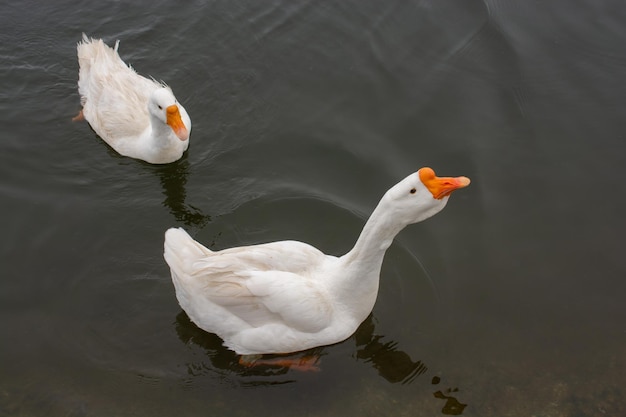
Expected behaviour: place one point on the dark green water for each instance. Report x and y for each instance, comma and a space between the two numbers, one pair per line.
511, 302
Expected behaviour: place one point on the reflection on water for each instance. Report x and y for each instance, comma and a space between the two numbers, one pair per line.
173, 179
453, 406
392, 364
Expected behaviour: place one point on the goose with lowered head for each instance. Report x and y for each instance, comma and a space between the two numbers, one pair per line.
138, 117
288, 296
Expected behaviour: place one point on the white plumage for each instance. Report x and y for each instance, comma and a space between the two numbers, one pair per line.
288, 296
136, 116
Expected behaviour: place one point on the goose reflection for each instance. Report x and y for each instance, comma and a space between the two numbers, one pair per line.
173, 179
392, 364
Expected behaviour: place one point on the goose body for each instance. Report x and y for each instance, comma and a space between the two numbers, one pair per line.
136, 116
288, 296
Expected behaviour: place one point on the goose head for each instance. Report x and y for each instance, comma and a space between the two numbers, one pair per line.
421, 195
163, 106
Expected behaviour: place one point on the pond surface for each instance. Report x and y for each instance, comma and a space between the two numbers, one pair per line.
510, 302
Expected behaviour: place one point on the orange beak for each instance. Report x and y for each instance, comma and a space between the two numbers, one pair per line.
441, 187
176, 123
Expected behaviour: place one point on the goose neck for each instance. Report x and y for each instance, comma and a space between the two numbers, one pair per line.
375, 238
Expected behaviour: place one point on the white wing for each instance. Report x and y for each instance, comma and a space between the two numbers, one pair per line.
271, 297
114, 96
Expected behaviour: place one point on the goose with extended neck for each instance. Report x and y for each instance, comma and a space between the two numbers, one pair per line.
288, 296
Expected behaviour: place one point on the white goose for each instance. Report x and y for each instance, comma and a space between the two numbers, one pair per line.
136, 116
287, 296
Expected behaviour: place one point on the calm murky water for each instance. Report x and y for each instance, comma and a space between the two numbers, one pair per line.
509, 302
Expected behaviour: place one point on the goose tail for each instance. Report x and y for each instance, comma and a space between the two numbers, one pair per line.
181, 252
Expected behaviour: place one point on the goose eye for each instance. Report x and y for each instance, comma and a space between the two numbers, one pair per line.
160, 108
413, 190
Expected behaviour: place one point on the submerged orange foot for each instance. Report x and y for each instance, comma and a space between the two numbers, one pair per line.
304, 364
80, 116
